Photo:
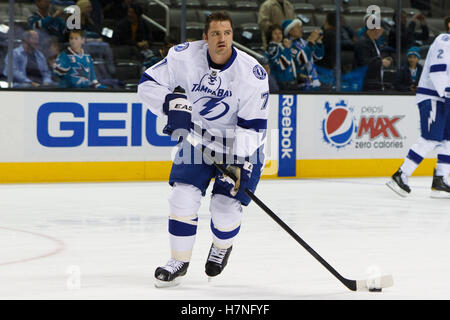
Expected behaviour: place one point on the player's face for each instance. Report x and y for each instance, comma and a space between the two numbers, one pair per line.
277, 35
76, 41
219, 37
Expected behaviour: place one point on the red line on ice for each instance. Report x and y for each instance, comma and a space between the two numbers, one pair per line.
51, 253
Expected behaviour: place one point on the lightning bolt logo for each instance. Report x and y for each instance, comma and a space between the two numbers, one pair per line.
210, 105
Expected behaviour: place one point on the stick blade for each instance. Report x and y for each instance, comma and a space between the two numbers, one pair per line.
375, 284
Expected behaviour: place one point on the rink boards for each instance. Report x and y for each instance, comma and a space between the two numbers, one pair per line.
99, 136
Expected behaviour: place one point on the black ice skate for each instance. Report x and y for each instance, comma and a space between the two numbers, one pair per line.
439, 189
170, 274
397, 185
217, 260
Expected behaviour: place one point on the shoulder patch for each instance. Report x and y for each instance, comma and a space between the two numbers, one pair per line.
181, 47
259, 72
445, 38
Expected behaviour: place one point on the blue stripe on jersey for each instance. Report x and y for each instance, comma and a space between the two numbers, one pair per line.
224, 235
414, 157
438, 68
255, 124
146, 77
443, 158
428, 92
181, 229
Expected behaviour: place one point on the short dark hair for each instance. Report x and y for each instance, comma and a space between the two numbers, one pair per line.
77, 31
217, 16
137, 9
447, 21
271, 29
331, 18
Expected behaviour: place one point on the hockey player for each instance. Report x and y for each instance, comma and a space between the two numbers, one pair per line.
74, 67
225, 108
433, 98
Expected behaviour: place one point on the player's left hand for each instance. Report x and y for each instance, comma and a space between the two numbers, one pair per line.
242, 174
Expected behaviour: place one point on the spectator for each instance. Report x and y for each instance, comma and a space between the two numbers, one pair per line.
273, 12
152, 57
280, 61
422, 5
74, 67
116, 9
409, 37
91, 29
133, 30
329, 42
348, 37
408, 76
29, 64
52, 24
304, 52
367, 53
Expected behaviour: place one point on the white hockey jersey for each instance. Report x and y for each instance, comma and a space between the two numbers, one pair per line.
436, 70
228, 103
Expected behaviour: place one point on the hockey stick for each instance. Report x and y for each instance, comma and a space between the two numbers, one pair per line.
374, 284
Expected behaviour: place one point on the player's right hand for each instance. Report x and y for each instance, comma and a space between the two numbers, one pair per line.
178, 110
241, 172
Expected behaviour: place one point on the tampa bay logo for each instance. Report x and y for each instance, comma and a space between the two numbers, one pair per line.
339, 124
213, 108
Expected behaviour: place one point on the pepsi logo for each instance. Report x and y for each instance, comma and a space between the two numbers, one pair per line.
339, 125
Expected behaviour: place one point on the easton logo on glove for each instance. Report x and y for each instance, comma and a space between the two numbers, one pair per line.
178, 110
180, 106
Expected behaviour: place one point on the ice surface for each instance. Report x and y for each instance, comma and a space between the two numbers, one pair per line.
112, 236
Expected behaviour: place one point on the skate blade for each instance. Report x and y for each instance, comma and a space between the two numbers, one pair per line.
394, 187
167, 284
437, 194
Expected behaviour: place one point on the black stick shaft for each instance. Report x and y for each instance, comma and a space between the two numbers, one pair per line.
350, 284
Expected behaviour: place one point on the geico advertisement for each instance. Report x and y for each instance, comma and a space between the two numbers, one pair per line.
71, 126
63, 126
354, 127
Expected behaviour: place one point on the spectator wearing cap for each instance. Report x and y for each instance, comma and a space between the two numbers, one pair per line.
304, 52
273, 12
30, 67
409, 75
368, 53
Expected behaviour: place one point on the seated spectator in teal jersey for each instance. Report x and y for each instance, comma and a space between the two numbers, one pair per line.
74, 67
30, 67
304, 52
278, 55
52, 24
409, 75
